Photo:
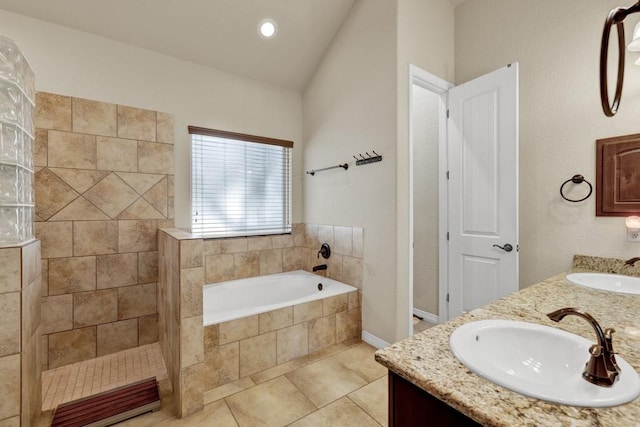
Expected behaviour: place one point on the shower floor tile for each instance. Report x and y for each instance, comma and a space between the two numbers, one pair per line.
82, 379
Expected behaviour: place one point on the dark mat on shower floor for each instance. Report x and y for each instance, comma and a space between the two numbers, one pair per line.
109, 407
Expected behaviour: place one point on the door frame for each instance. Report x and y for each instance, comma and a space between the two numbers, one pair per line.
440, 87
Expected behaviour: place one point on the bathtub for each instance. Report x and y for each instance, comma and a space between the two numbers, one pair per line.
251, 325
234, 299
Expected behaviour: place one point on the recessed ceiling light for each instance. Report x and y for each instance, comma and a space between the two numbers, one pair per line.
267, 28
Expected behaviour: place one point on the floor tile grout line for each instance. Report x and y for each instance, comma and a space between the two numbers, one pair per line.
44, 392
224, 399
300, 390
284, 375
303, 393
304, 364
235, 392
363, 409
347, 347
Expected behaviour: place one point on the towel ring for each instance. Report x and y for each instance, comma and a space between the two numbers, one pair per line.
576, 179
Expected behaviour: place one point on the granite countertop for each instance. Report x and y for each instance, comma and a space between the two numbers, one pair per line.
426, 360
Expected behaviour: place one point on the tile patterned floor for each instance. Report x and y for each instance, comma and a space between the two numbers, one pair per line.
71, 382
341, 386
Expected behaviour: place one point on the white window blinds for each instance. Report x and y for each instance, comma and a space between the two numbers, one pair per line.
240, 184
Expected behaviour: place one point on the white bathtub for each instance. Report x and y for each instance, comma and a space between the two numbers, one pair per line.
245, 297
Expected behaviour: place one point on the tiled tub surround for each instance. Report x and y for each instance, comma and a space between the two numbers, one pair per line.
239, 258
187, 262
20, 329
104, 185
238, 348
426, 360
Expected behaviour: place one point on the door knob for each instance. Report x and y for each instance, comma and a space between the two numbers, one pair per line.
506, 248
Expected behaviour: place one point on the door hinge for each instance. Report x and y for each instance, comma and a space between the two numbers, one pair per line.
447, 235
447, 113
447, 174
447, 297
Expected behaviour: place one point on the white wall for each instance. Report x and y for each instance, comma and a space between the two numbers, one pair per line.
557, 46
425, 39
350, 108
73, 63
357, 102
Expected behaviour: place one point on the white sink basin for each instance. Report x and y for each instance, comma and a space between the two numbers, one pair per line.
539, 361
607, 282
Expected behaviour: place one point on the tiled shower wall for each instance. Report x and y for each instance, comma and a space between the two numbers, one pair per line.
20, 326
180, 317
103, 186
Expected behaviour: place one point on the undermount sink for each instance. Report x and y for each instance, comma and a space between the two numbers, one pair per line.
538, 361
607, 282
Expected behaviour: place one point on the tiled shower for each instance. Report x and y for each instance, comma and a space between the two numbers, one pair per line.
104, 185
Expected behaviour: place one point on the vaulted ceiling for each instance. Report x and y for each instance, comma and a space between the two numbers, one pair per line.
221, 34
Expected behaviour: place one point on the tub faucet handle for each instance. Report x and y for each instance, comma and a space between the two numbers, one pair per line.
325, 251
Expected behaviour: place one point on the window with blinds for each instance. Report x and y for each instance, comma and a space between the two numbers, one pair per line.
240, 184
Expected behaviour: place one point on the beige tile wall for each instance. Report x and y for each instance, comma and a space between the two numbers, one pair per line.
31, 332
20, 329
239, 258
103, 186
242, 347
181, 271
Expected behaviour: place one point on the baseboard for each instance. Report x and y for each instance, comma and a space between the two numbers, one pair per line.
429, 317
374, 340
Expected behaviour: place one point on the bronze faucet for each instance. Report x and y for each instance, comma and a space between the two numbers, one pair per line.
601, 369
630, 262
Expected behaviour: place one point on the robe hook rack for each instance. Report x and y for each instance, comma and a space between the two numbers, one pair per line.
367, 160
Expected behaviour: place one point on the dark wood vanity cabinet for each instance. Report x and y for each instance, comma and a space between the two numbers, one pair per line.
411, 406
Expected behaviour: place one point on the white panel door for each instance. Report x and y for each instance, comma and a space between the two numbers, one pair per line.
483, 190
